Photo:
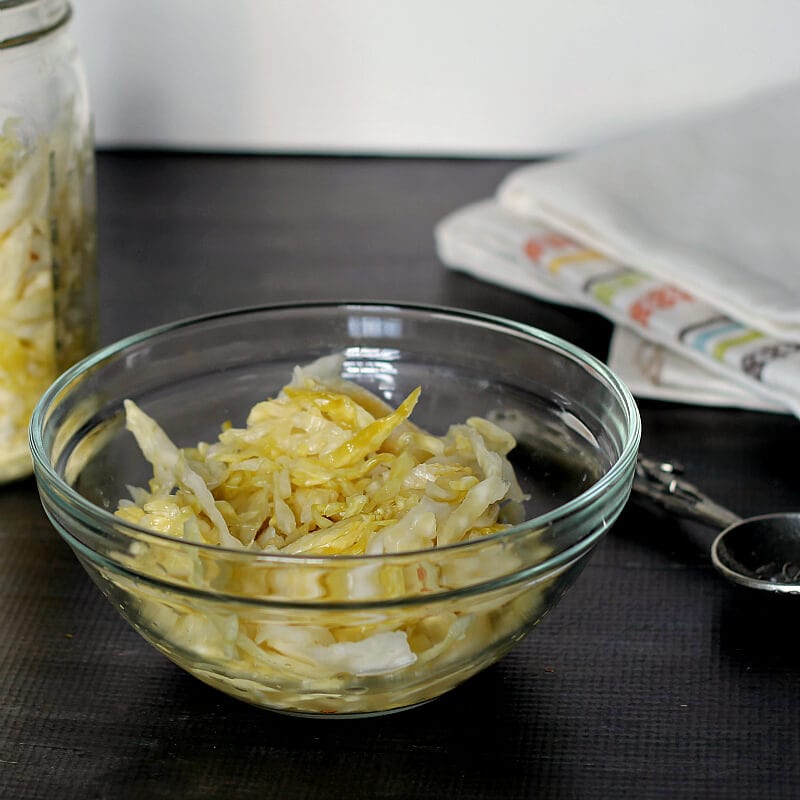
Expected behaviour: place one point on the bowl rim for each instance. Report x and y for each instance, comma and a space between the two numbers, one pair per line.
71, 501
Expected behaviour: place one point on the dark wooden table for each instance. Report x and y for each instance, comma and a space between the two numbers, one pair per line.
652, 679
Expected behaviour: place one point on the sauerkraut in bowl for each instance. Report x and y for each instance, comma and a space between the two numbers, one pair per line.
351, 536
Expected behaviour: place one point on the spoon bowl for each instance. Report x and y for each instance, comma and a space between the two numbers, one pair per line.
760, 552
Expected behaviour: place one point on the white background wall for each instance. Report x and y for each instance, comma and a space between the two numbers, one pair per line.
500, 77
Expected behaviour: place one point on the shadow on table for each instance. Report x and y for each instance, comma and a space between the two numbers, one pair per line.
756, 628
757, 631
473, 743
660, 535
107, 716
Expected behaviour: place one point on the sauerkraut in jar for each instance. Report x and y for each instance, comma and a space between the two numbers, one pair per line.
47, 215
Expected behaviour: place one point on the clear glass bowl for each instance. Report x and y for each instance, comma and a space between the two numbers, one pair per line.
208, 608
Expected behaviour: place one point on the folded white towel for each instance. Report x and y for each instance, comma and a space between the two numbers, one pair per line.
711, 205
493, 244
656, 372
688, 235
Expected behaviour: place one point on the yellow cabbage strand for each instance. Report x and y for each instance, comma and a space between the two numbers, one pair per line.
326, 468
315, 472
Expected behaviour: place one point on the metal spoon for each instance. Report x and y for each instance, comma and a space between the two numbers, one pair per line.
760, 552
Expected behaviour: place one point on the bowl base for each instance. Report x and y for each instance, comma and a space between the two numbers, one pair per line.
336, 715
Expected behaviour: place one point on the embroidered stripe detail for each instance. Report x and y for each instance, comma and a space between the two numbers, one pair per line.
719, 349
753, 363
696, 326
605, 291
555, 264
702, 340
612, 274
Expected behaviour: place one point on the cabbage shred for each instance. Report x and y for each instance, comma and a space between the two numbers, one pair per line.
325, 468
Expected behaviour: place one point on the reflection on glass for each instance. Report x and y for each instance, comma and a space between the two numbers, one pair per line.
376, 364
380, 327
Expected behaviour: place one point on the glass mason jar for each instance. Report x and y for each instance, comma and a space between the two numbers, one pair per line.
48, 294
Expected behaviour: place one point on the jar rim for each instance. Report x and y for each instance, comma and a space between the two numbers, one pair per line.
26, 21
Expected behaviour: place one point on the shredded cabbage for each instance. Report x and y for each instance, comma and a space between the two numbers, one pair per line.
317, 472
47, 247
327, 468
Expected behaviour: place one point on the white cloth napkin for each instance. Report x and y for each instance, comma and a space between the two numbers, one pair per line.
489, 243
711, 205
689, 236
655, 372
